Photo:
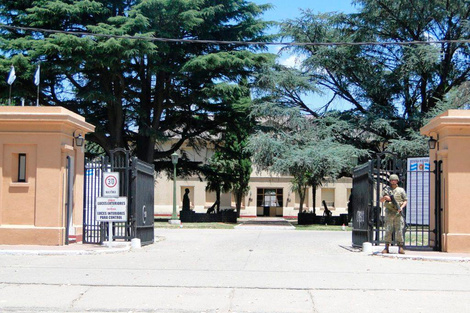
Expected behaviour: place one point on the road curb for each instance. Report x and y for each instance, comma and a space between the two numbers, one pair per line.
424, 257
97, 250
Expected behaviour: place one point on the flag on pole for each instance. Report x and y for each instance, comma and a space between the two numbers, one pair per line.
37, 76
12, 76
37, 80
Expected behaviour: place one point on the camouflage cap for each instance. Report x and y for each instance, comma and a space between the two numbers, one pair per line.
394, 177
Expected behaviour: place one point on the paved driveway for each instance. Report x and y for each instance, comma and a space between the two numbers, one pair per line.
201, 270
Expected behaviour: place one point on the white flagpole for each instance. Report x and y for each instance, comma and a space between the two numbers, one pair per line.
37, 80
11, 79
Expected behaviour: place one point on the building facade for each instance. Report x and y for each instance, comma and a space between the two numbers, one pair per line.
269, 195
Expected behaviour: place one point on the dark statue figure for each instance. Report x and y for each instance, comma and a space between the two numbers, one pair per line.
350, 207
212, 208
327, 212
186, 202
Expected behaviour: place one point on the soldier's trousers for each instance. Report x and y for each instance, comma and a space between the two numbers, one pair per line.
394, 223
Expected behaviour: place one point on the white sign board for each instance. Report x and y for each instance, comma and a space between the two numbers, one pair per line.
417, 190
110, 184
111, 209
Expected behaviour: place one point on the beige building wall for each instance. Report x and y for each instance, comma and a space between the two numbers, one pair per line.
33, 211
202, 199
164, 194
452, 129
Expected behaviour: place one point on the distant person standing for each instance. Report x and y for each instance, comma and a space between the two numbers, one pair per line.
186, 202
395, 201
350, 207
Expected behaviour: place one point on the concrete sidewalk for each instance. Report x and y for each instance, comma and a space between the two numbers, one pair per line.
422, 255
74, 248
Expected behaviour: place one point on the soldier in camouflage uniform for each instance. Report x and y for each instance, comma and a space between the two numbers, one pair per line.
394, 220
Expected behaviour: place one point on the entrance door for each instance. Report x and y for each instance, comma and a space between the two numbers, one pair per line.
269, 202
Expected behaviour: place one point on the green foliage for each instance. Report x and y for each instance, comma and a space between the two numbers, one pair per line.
230, 167
298, 145
414, 144
457, 99
391, 88
139, 94
216, 177
284, 85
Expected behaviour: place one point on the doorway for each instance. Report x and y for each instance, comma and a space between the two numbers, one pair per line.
269, 202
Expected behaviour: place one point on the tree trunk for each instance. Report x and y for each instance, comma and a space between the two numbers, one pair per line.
302, 199
145, 148
238, 201
217, 199
314, 198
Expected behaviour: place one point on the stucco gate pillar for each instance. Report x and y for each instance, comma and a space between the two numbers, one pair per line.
41, 172
452, 131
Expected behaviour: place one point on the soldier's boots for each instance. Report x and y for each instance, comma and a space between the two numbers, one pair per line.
386, 249
401, 250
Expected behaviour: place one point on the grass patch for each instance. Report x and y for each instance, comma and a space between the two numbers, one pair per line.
163, 223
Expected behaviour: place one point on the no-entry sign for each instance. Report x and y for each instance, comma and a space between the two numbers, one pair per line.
111, 184
111, 209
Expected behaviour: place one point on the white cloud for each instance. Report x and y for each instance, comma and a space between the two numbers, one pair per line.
294, 61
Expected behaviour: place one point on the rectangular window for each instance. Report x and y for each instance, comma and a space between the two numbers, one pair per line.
21, 167
328, 195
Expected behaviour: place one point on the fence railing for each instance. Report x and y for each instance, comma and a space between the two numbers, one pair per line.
136, 183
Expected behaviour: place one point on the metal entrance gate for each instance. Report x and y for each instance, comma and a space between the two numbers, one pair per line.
136, 182
368, 213
362, 202
142, 200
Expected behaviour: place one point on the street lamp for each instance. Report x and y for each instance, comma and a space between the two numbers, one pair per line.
354, 160
78, 139
432, 143
174, 216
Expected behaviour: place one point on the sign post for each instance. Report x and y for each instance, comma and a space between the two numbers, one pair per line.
110, 207
111, 210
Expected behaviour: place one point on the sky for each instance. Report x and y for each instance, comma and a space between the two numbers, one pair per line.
287, 9
291, 9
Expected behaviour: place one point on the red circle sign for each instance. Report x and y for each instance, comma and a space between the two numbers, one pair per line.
110, 181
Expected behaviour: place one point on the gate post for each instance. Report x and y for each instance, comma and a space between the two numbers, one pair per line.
41, 175
451, 198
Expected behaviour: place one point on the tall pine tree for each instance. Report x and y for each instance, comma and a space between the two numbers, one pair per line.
139, 93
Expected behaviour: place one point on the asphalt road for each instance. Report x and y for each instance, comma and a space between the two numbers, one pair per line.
202, 270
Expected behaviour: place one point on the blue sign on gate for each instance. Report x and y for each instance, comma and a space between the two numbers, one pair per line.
418, 191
